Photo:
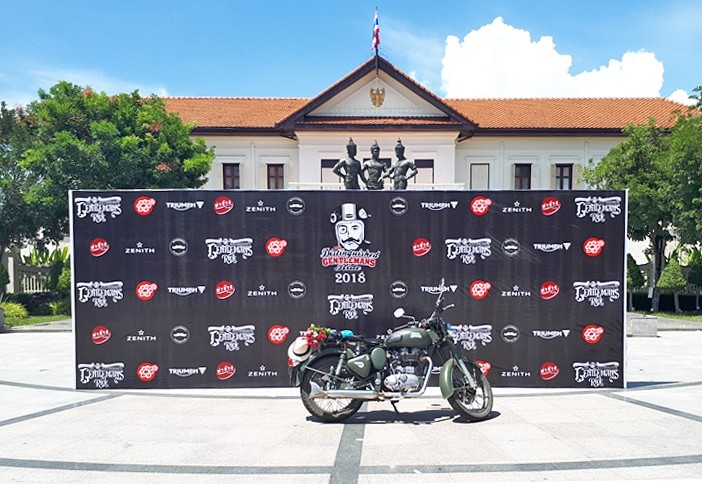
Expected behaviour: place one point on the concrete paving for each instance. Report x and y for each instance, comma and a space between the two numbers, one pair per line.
53, 433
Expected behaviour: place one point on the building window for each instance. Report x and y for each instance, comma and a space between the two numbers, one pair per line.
276, 177
479, 176
522, 177
232, 179
564, 177
425, 172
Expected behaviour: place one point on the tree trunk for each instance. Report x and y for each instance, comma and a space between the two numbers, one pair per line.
658, 247
677, 302
631, 301
697, 300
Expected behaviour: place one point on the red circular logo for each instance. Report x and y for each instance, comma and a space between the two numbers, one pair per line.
549, 370
223, 205
592, 333
550, 206
99, 247
421, 247
225, 370
275, 247
485, 366
593, 246
480, 205
277, 334
147, 371
479, 289
144, 205
100, 334
224, 289
549, 290
146, 290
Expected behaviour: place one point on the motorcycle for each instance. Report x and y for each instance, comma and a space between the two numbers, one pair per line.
345, 369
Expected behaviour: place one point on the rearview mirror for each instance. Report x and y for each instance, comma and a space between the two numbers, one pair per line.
399, 312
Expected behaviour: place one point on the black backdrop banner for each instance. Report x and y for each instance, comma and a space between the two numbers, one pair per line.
191, 288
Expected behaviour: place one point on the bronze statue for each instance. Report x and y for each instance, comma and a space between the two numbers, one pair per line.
352, 169
399, 170
376, 169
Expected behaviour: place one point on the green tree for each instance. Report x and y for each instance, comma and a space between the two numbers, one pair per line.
684, 158
673, 279
634, 278
638, 164
89, 140
693, 261
17, 221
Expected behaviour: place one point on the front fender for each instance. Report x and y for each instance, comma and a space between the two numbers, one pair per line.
446, 378
296, 372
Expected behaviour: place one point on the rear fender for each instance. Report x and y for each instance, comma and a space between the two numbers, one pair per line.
296, 372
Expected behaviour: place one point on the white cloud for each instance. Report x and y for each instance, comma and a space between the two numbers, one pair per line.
20, 87
681, 96
499, 60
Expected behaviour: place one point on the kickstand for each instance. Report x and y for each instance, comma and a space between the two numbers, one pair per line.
393, 402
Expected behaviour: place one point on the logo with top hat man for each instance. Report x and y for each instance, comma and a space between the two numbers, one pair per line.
349, 226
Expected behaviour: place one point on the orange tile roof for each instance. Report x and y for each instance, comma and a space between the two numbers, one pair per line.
566, 113
493, 114
228, 112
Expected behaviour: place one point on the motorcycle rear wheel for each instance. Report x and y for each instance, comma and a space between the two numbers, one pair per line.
327, 409
473, 404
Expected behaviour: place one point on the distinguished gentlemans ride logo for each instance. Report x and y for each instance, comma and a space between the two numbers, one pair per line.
348, 257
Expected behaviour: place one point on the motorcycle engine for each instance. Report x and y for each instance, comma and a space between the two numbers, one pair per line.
403, 370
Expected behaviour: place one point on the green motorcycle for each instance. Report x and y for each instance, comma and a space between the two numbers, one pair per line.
337, 371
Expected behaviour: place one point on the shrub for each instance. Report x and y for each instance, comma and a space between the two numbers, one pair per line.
64, 281
61, 307
13, 311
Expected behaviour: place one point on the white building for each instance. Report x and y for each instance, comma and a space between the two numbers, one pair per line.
472, 144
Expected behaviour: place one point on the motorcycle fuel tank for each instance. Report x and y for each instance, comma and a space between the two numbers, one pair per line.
409, 338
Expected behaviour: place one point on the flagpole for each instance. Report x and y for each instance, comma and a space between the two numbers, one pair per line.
376, 39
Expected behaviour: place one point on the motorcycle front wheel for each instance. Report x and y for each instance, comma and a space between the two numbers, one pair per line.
327, 409
472, 403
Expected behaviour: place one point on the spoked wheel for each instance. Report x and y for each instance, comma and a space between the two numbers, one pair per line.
472, 403
327, 409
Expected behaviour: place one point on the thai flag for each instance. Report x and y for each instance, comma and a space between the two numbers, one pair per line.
376, 33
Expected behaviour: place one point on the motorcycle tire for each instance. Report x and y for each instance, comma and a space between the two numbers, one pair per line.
327, 409
473, 404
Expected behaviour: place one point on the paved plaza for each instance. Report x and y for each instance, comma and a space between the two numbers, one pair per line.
53, 433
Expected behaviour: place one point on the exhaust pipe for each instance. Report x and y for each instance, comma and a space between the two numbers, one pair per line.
317, 392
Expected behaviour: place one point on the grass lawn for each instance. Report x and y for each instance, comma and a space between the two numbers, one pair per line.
36, 320
684, 316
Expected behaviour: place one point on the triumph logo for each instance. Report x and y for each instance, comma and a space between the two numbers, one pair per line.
552, 247
469, 336
185, 206
186, 372
517, 208
435, 290
231, 336
596, 373
598, 207
101, 373
186, 290
98, 208
437, 206
350, 305
468, 250
550, 334
100, 292
596, 292
229, 250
